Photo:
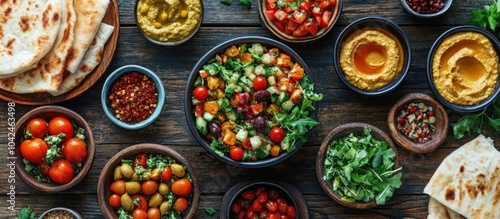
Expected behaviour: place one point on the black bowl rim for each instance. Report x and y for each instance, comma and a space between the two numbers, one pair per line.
176, 43
395, 30
428, 68
447, 6
188, 106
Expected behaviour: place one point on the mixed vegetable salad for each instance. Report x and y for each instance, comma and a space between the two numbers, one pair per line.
253, 102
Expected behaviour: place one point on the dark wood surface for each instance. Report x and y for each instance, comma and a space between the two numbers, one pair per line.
340, 105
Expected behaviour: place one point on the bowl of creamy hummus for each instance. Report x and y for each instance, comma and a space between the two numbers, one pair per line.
462, 68
168, 22
372, 56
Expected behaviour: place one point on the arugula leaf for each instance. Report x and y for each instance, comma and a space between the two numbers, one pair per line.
26, 213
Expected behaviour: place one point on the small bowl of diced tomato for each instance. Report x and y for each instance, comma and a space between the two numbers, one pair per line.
299, 21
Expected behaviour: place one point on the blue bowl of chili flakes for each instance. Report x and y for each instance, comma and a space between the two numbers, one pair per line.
129, 98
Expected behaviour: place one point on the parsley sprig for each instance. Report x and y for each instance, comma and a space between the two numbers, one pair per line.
488, 18
473, 123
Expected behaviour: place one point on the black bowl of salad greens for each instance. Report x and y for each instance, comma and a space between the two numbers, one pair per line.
250, 102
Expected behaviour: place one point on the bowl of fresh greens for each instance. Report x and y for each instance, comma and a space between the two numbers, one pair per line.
358, 166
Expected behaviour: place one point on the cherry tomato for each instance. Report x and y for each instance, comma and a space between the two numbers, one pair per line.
236, 207
273, 194
275, 215
59, 125
115, 201
236, 153
277, 134
271, 206
141, 160
256, 205
166, 174
200, 93
118, 187
259, 83
140, 201
34, 150
139, 214
248, 195
44, 168
154, 213
251, 214
74, 150
199, 109
284, 216
291, 212
149, 187
37, 127
282, 205
181, 187
61, 171
260, 190
262, 197
181, 204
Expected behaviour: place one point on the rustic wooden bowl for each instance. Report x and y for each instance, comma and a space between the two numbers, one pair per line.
447, 5
288, 192
339, 132
271, 26
106, 177
441, 124
47, 113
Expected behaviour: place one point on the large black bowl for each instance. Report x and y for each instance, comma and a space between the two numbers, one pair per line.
188, 106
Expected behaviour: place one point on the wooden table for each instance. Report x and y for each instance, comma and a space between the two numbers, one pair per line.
340, 105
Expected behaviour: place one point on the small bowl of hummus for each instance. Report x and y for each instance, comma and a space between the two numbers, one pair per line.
462, 68
168, 22
372, 56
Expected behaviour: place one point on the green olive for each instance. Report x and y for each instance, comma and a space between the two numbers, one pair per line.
144, 9
164, 207
156, 200
117, 174
184, 13
163, 188
127, 170
132, 187
158, 25
177, 170
164, 17
126, 202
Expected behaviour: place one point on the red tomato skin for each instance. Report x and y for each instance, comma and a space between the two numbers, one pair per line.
262, 197
37, 127
256, 205
270, 14
248, 195
277, 134
149, 187
325, 19
115, 201
141, 200
259, 83
44, 168
199, 109
118, 187
271, 206
200, 93
181, 204
141, 160
61, 171
34, 150
139, 214
236, 153
59, 125
291, 212
181, 187
154, 213
166, 174
74, 150
236, 208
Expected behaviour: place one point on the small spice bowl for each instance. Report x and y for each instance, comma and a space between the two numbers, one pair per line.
418, 114
415, 9
147, 98
341, 132
60, 212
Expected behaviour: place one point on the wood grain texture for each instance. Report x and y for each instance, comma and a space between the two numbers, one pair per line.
339, 106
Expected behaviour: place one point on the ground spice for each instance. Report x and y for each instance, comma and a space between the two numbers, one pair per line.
417, 122
425, 6
59, 214
133, 97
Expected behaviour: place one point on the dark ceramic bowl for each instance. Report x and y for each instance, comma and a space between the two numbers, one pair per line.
271, 25
48, 112
114, 76
378, 23
457, 107
446, 6
169, 43
189, 107
106, 176
340, 132
60, 209
286, 191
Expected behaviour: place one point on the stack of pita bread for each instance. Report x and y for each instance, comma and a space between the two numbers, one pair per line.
467, 183
50, 45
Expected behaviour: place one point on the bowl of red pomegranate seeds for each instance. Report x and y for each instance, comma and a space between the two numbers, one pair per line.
426, 9
133, 97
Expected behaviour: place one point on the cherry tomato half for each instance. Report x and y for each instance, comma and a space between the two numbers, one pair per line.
259, 83
140, 201
277, 134
59, 125
181, 187
34, 150
236, 153
37, 127
141, 160
74, 150
61, 171
200, 93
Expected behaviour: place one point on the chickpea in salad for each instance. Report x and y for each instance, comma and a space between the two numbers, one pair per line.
253, 102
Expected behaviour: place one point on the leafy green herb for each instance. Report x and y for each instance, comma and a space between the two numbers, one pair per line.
473, 123
122, 214
227, 2
210, 211
26, 213
361, 168
488, 18
33, 170
246, 3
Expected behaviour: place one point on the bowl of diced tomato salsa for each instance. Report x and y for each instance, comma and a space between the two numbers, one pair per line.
299, 21
250, 102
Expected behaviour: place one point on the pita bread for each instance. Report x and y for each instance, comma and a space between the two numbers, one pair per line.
89, 17
91, 59
47, 75
28, 31
468, 180
439, 211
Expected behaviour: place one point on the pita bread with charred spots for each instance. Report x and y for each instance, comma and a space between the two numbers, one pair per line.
468, 180
27, 32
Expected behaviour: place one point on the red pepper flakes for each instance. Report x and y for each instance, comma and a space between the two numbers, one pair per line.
417, 122
133, 97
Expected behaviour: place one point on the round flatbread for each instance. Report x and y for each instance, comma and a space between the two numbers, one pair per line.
28, 31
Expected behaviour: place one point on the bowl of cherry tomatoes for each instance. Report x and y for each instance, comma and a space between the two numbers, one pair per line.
55, 148
148, 181
299, 21
264, 199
